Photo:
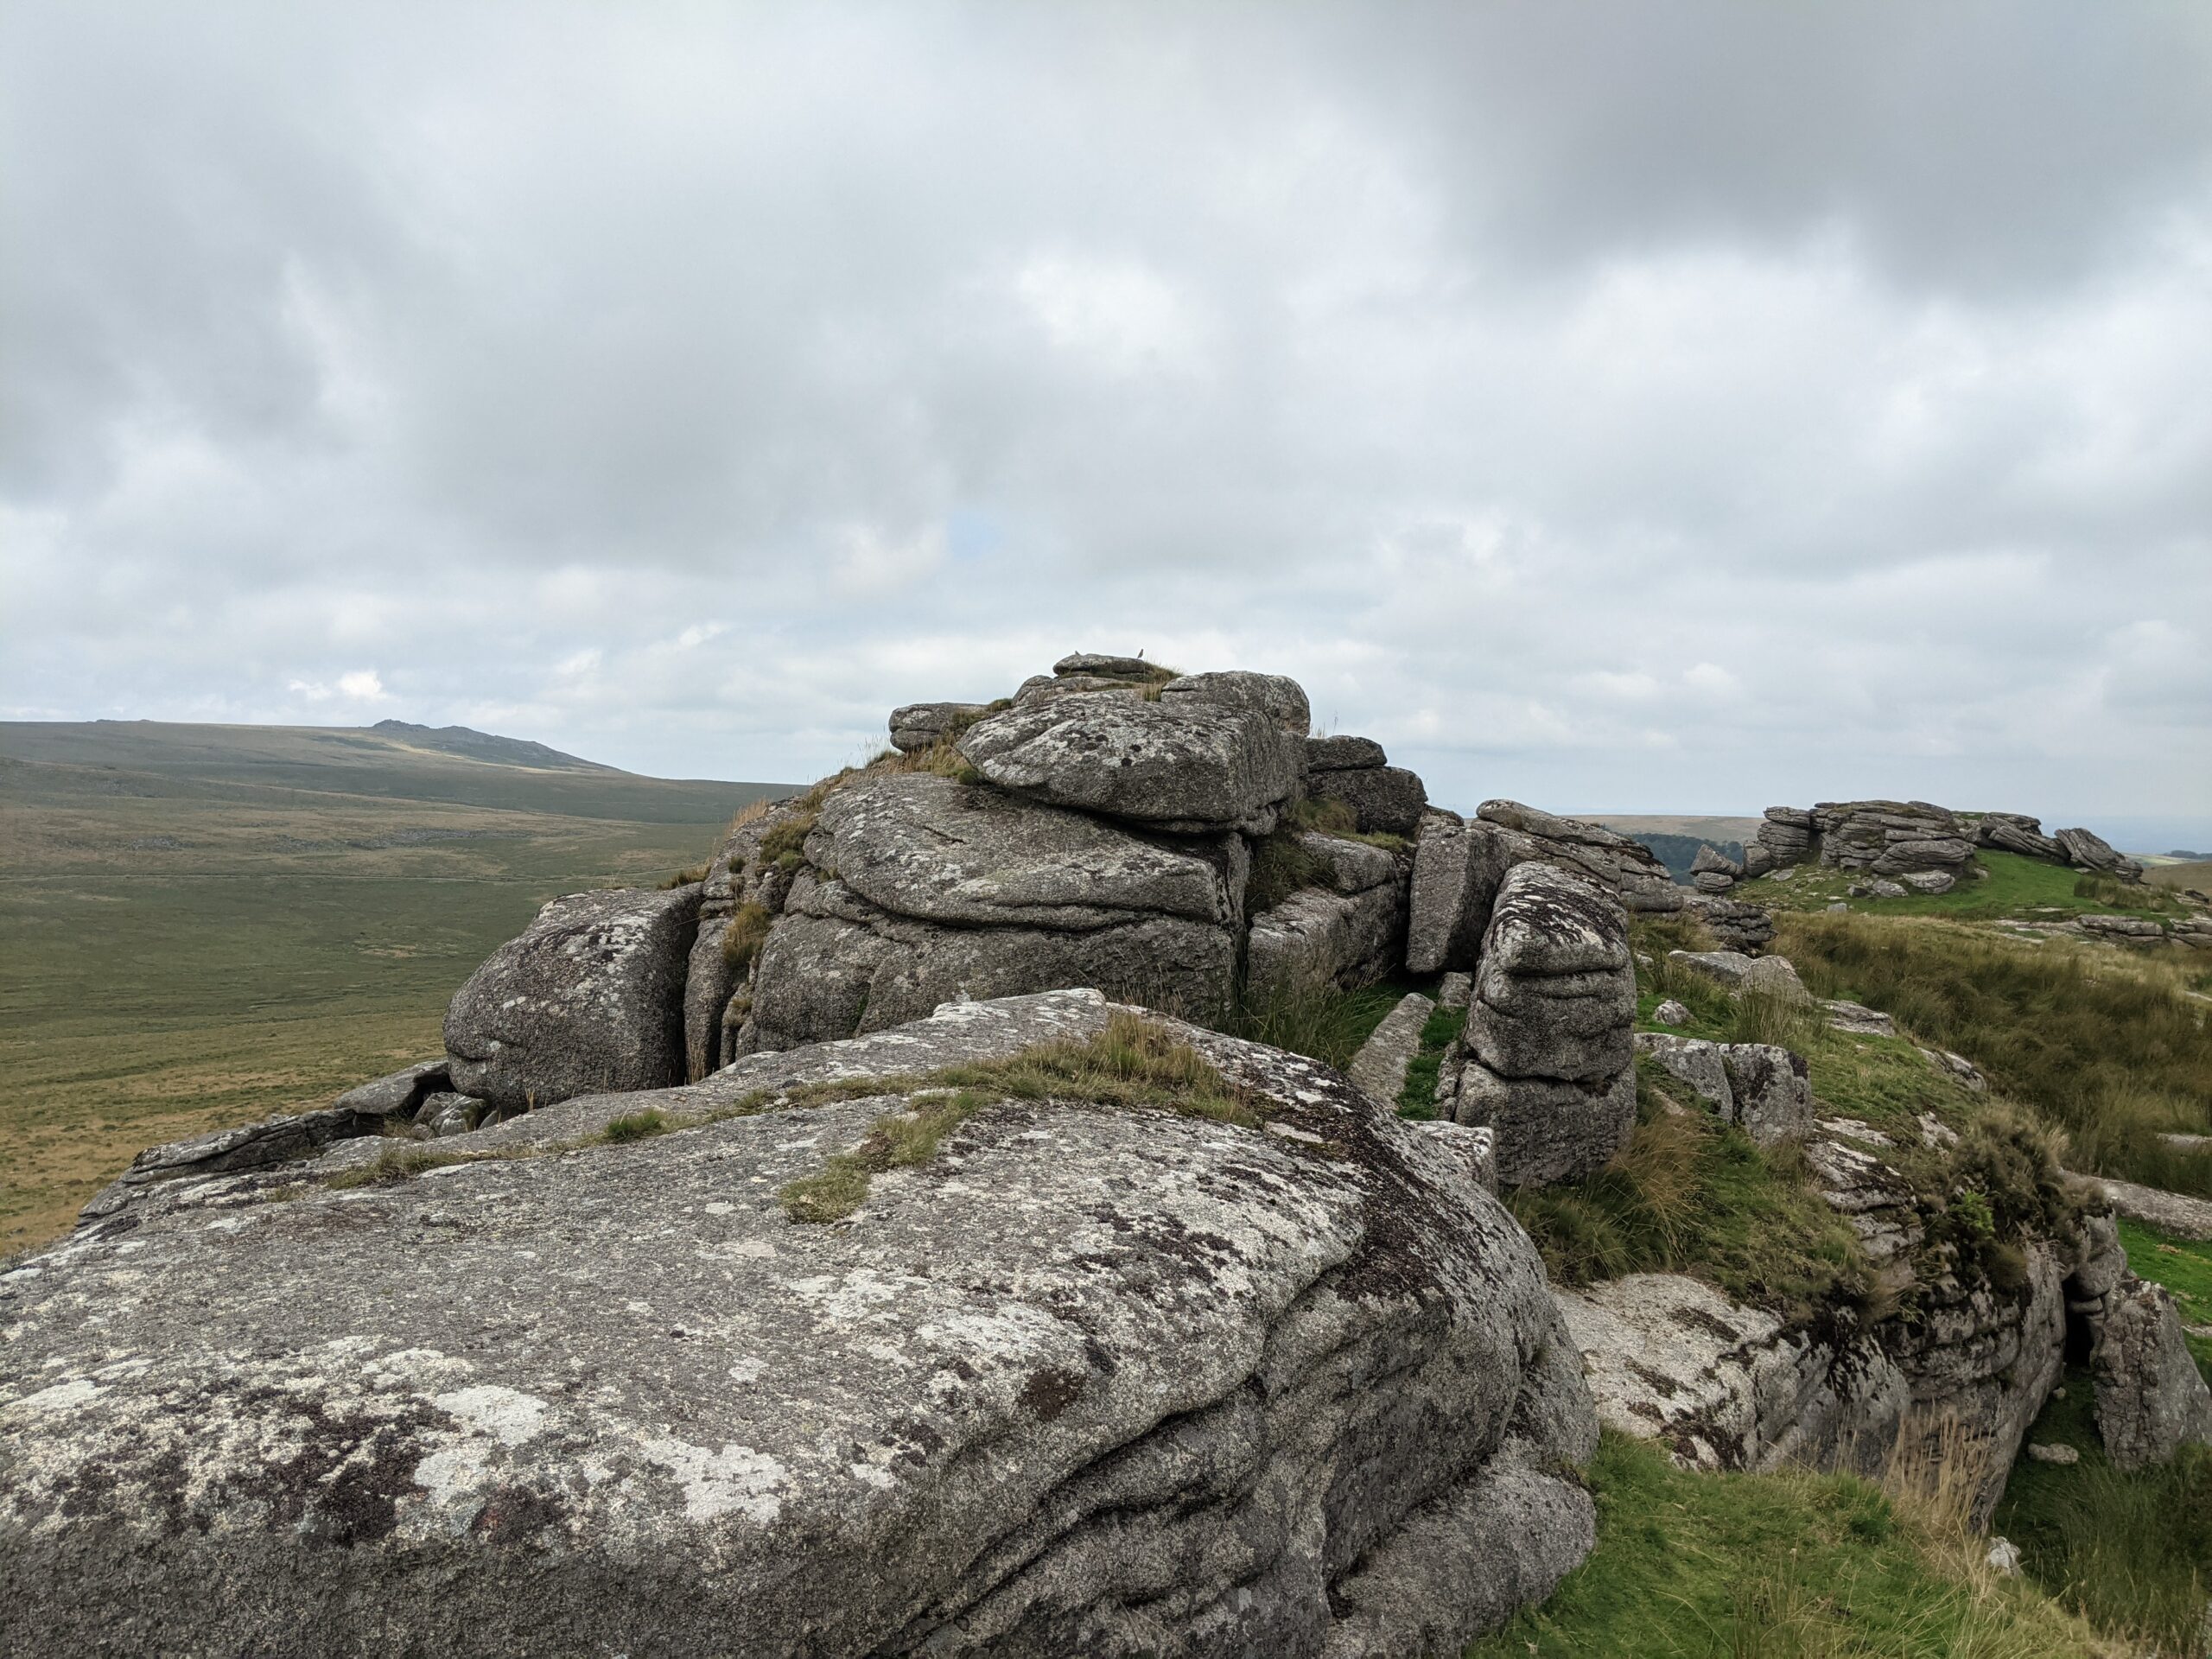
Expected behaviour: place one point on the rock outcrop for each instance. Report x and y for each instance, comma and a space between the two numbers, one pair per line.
1548, 1058
1732, 1387
1384, 799
1904, 840
2151, 1397
1096, 1379
1764, 1088
589, 998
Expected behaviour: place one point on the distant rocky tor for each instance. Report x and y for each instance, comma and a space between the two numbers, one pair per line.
875, 1246
1902, 846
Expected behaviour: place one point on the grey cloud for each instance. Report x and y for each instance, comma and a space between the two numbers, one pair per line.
1680, 404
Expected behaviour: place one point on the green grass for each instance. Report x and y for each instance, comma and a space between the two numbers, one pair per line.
1689, 1195
636, 1126
1812, 1566
189, 948
2130, 1552
1417, 1100
2015, 886
1322, 1024
2102, 1043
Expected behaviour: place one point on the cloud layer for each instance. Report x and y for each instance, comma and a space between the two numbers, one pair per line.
1672, 407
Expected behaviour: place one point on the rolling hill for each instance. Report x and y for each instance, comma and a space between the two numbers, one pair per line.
205, 924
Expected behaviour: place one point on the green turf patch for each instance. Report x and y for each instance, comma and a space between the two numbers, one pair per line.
2015, 886
2130, 1552
1720, 1565
1417, 1100
2183, 1266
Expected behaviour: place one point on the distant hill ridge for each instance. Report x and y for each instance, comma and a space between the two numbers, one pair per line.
486, 746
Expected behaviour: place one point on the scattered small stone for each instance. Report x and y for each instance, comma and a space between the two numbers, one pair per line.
2005, 1558
1671, 1013
2052, 1452
1934, 1132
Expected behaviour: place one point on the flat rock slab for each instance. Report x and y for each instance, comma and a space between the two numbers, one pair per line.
1095, 1381
940, 851
1191, 764
2170, 1212
1378, 1071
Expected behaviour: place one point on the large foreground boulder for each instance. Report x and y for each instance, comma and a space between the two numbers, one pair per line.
2150, 1398
590, 997
1091, 1379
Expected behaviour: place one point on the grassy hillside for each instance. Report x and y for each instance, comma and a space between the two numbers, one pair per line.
209, 924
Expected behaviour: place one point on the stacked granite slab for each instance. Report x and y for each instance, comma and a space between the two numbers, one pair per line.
1384, 799
1549, 1065
1898, 839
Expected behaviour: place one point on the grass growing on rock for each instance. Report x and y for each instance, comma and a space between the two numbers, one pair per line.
1133, 1063
2015, 886
2130, 1552
2102, 1043
1811, 1567
1689, 1195
1417, 1100
636, 1126
1320, 1022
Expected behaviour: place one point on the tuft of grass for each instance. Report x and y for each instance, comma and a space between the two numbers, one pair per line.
636, 1126
1133, 1064
1417, 1100
684, 878
1760, 1016
393, 1164
1320, 1022
1811, 1567
747, 932
1281, 866
1688, 1194
1334, 818
2130, 1552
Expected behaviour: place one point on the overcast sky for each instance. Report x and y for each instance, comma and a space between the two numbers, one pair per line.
1659, 407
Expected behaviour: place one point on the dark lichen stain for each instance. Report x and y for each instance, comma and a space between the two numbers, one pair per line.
513, 1515
344, 1484
1049, 1393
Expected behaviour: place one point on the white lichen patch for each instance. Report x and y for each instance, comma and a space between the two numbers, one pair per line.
735, 1480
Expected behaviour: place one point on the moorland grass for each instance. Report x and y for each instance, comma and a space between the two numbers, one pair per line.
2103, 1044
1811, 1567
2014, 887
1417, 1100
1689, 1195
2130, 1552
1321, 1022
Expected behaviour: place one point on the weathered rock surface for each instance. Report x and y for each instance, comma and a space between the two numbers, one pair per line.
1548, 1034
2087, 850
1771, 1091
940, 851
588, 998
2015, 832
1190, 765
1100, 664
1858, 1019
924, 725
1731, 1387
1771, 976
364, 1109
836, 966
2170, 1212
1378, 1071
1764, 1088
1739, 926
1385, 800
743, 881
2150, 1398
1343, 754
1628, 869
1317, 938
1093, 1381
1280, 698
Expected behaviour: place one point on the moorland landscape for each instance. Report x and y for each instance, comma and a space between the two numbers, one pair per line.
1846, 1288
